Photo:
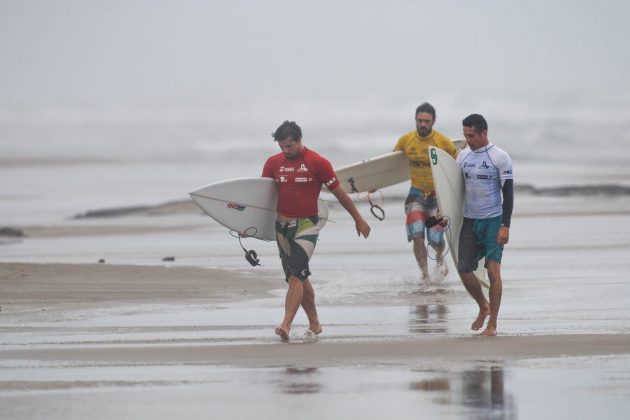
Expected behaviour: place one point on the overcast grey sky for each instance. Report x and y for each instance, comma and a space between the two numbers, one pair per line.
133, 52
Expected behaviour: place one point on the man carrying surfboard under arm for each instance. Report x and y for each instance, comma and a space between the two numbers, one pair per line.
299, 174
421, 203
488, 203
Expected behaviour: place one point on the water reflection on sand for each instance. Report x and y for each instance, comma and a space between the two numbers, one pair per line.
426, 319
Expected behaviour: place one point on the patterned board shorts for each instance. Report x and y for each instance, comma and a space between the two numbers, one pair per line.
418, 208
296, 242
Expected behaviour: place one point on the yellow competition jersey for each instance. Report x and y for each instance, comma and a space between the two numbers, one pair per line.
417, 150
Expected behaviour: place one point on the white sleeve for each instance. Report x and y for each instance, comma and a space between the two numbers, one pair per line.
504, 165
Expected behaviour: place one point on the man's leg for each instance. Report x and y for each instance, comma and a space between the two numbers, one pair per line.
417, 211
468, 256
420, 251
292, 303
496, 291
439, 252
438, 243
308, 304
472, 285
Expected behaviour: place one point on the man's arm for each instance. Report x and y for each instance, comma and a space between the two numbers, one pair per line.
362, 227
447, 145
399, 145
267, 171
508, 205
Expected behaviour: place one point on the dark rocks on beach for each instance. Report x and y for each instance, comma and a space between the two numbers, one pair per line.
188, 207
168, 208
115, 212
574, 190
14, 233
101, 261
168, 259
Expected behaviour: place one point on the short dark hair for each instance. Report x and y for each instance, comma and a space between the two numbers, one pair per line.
288, 129
477, 121
426, 107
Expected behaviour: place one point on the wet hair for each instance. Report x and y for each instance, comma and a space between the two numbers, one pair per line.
288, 129
426, 107
477, 121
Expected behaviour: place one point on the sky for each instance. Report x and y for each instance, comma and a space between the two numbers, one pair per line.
134, 53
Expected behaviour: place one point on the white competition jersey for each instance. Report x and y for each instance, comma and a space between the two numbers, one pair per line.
484, 169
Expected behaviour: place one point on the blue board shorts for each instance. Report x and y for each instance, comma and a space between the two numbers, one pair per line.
296, 240
419, 206
477, 240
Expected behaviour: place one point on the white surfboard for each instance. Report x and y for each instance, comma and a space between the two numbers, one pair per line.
460, 144
246, 205
374, 173
449, 188
379, 172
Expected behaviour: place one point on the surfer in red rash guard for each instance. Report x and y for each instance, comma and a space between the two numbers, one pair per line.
299, 174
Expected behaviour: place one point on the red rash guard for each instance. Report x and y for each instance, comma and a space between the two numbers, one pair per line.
299, 181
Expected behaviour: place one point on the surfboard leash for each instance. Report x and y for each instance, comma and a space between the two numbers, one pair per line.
250, 255
376, 209
431, 222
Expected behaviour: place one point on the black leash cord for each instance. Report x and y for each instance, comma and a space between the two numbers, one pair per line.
375, 207
446, 229
251, 256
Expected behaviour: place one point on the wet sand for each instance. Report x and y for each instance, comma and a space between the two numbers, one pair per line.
29, 289
32, 287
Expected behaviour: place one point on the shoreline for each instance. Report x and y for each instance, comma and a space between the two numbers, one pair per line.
326, 354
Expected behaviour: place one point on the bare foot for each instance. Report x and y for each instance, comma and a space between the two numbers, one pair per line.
316, 329
425, 279
310, 335
440, 272
481, 318
282, 332
443, 270
490, 331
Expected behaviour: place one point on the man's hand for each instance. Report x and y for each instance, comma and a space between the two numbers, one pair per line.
362, 228
504, 235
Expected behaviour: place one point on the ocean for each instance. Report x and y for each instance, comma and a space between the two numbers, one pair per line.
56, 163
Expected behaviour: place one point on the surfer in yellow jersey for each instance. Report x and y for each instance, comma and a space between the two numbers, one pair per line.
421, 203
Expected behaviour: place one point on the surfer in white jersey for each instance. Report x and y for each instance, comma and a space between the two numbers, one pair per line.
488, 203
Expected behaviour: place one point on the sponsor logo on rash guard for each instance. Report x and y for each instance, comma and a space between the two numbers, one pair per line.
418, 164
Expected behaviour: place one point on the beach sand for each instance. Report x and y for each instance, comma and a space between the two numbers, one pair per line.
193, 336
30, 289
